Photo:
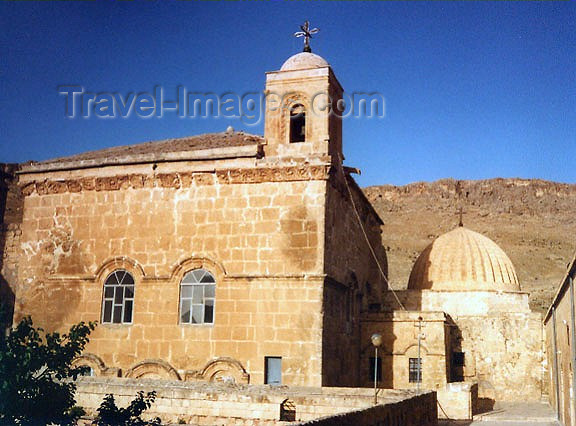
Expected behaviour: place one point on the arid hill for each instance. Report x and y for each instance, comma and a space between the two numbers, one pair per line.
534, 221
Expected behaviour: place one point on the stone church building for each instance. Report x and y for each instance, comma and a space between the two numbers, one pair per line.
259, 260
220, 255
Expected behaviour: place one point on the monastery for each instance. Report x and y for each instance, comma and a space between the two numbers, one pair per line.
236, 258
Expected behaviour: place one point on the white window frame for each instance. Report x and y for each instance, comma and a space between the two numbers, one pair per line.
197, 291
121, 286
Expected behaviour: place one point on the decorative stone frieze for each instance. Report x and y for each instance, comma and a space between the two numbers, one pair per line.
178, 180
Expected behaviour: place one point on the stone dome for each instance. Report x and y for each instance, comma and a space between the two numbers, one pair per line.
304, 60
463, 260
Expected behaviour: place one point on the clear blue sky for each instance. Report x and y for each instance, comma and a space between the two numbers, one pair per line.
473, 89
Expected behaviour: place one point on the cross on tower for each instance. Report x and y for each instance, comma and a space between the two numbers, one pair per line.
307, 34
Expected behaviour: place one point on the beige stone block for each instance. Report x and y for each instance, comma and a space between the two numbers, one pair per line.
246, 306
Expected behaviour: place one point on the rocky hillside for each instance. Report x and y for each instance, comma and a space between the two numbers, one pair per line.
534, 221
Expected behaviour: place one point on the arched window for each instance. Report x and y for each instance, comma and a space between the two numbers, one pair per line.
297, 123
197, 297
118, 304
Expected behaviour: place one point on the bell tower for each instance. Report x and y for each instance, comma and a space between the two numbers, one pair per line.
303, 103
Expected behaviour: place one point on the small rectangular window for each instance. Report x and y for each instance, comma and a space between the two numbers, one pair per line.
378, 371
273, 370
415, 370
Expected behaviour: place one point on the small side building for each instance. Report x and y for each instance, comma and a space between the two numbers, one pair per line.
464, 312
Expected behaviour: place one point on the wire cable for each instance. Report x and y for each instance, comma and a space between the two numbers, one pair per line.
366, 235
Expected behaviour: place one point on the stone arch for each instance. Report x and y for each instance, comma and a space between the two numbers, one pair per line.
295, 98
226, 370
409, 348
290, 101
119, 262
90, 360
153, 369
198, 262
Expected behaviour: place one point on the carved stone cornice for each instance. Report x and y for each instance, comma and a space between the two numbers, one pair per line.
178, 180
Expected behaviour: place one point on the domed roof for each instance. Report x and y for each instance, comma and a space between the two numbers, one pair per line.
304, 60
463, 260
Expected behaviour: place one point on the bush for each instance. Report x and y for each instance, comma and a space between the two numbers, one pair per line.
110, 415
33, 369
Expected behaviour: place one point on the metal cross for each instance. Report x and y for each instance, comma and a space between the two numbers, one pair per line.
461, 213
307, 34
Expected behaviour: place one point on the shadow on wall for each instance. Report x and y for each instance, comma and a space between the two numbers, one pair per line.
299, 231
383, 366
11, 208
7, 299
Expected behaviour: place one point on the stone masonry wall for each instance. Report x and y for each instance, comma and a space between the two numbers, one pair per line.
504, 354
417, 411
560, 373
501, 339
355, 282
400, 343
10, 218
260, 232
209, 404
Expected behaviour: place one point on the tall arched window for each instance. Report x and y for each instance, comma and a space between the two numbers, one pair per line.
197, 297
297, 123
118, 303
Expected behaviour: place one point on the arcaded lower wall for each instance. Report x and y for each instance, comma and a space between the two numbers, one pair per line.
209, 404
259, 231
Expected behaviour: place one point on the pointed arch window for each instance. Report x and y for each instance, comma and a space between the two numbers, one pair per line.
197, 297
118, 301
297, 123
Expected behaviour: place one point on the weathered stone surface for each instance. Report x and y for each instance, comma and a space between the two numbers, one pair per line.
203, 403
559, 326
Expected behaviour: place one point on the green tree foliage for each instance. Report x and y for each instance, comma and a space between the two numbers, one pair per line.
110, 415
34, 366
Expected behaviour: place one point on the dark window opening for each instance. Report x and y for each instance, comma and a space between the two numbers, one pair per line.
297, 124
415, 370
378, 369
458, 359
457, 371
287, 411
